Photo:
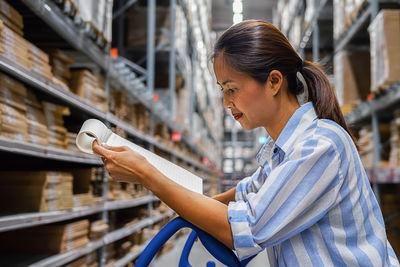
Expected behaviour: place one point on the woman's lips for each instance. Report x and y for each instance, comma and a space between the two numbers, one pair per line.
237, 116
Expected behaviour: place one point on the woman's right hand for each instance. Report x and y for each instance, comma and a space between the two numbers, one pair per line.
122, 163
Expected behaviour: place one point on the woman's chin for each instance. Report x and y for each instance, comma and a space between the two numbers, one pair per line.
246, 126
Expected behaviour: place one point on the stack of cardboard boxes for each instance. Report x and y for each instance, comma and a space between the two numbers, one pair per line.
352, 78
37, 126
385, 47
55, 238
59, 62
118, 191
39, 62
16, 48
36, 191
82, 188
55, 122
13, 110
394, 157
90, 87
12, 44
11, 17
366, 144
98, 229
23, 117
89, 260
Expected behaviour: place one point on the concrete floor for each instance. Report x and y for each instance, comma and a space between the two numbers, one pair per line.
199, 256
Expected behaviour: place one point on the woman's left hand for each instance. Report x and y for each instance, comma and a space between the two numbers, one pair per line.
122, 163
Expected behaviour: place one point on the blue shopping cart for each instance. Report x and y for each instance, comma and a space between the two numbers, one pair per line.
216, 248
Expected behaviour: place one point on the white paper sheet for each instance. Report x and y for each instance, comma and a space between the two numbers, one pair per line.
93, 129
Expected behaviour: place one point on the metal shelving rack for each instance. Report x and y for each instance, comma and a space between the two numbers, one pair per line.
234, 139
369, 111
61, 259
73, 33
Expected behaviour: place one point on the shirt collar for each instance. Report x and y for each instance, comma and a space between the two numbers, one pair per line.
301, 119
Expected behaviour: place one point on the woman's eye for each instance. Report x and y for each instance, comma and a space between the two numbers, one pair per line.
231, 90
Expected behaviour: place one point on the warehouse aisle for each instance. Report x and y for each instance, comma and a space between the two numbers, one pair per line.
199, 256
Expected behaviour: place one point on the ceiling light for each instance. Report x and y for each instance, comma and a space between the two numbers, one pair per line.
237, 7
237, 18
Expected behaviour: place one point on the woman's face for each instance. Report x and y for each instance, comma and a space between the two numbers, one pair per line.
250, 102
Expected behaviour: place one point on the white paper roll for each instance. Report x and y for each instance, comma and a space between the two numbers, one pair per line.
93, 129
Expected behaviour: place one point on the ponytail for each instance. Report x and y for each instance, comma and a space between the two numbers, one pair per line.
256, 47
321, 94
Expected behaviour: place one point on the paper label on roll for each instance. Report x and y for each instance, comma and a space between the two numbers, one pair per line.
93, 129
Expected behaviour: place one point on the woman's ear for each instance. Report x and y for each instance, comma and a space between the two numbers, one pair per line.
275, 80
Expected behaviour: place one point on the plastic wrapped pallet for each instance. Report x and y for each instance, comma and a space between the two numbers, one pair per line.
35, 191
385, 46
338, 18
98, 15
295, 32
55, 238
309, 13
351, 78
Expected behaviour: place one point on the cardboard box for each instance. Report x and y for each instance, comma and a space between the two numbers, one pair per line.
11, 13
13, 85
136, 34
385, 46
55, 238
35, 191
351, 77
9, 23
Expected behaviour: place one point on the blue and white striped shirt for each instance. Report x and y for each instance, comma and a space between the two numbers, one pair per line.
310, 202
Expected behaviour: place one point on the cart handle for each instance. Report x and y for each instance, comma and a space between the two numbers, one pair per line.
216, 248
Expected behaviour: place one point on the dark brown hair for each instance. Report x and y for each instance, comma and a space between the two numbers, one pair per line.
256, 47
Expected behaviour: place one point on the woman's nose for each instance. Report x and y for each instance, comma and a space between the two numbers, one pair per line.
227, 102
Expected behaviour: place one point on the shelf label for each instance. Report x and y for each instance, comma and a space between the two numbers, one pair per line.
176, 136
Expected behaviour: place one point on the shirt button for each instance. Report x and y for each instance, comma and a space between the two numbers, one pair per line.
275, 150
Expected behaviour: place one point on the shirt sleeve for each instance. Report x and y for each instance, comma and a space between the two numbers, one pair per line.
296, 194
249, 185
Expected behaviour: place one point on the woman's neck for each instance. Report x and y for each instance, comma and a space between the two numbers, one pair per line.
284, 113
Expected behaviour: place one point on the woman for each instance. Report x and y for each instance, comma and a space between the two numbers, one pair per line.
310, 202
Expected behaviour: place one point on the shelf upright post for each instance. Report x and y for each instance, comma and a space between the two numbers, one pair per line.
172, 59
192, 94
375, 120
234, 143
150, 65
151, 32
120, 31
315, 48
104, 214
374, 8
